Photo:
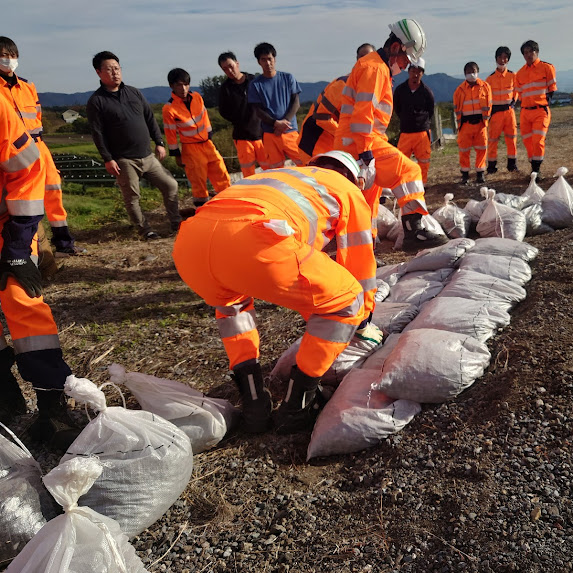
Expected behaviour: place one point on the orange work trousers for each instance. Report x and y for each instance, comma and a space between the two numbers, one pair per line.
502, 122
53, 202
250, 153
420, 145
534, 124
240, 259
280, 147
472, 135
203, 161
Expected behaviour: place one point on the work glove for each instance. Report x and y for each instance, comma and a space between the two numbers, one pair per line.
370, 333
25, 272
367, 173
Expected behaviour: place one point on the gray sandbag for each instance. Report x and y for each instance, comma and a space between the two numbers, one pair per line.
391, 274
385, 221
505, 247
414, 290
392, 317
558, 202
444, 256
499, 220
382, 290
534, 219
513, 269
454, 220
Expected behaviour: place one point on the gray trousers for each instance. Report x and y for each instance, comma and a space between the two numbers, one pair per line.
131, 171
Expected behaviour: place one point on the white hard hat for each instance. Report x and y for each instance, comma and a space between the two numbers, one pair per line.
412, 36
419, 63
342, 157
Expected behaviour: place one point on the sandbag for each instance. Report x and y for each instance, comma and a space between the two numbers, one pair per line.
558, 202
25, 503
505, 247
475, 209
475, 318
432, 366
513, 269
81, 540
391, 274
384, 221
498, 220
534, 193
414, 290
205, 420
391, 317
534, 219
517, 202
376, 360
147, 460
455, 221
357, 417
382, 290
444, 256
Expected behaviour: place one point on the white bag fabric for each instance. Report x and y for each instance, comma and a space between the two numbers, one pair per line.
505, 247
534, 193
80, 540
414, 290
147, 460
376, 360
478, 319
558, 202
391, 274
431, 365
357, 417
392, 317
513, 269
498, 220
25, 504
205, 420
384, 221
454, 221
475, 209
444, 256
510, 200
382, 290
534, 219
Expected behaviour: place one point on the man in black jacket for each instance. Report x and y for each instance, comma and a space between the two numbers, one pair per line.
414, 105
234, 107
122, 126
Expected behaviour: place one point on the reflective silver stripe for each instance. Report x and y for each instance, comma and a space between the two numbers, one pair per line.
234, 309
535, 93
28, 115
330, 330
27, 208
526, 135
384, 107
361, 127
465, 149
537, 158
368, 284
423, 161
21, 160
193, 121
539, 132
53, 187
354, 239
346, 141
37, 131
347, 108
379, 127
192, 132
480, 147
171, 126
173, 146
33, 343
348, 91
238, 324
246, 165
533, 85
58, 223
365, 96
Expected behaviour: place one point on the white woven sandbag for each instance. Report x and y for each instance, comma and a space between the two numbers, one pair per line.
439, 275
384, 221
478, 319
376, 360
510, 200
453, 220
432, 366
81, 540
444, 256
477, 286
391, 274
475, 209
513, 269
205, 420
498, 220
382, 290
147, 460
414, 290
25, 504
534, 193
392, 317
534, 219
357, 417
505, 247
558, 202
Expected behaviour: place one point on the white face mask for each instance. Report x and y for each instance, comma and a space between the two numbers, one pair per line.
472, 77
395, 69
8, 65
502, 67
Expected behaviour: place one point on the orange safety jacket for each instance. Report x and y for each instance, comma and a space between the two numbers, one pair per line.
534, 82
503, 90
191, 123
322, 119
472, 103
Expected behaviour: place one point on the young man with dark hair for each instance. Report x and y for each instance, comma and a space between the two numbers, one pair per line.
185, 117
234, 107
535, 83
472, 106
122, 126
364, 50
504, 96
274, 95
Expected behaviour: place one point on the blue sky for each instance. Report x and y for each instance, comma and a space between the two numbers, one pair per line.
315, 39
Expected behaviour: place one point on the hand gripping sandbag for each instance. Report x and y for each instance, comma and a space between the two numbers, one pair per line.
455, 221
432, 366
558, 202
81, 540
205, 420
513, 269
498, 220
25, 503
147, 460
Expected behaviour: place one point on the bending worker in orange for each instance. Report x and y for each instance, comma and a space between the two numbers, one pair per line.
186, 116
263, 238
535, 83
504, 96
367, 104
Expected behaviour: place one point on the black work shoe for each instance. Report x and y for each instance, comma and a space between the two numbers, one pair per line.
422, 239
512, 165
151, 236
465, 178
480, 179
255, 398
12, 402
491, 167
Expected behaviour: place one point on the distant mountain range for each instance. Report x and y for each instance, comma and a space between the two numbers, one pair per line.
442, 85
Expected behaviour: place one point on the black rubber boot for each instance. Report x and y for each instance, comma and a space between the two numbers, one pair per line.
512, 164
299, 409
416, 237
480, 179
200, 201
255, 398
53, 426
491, 167
536, 167
465, 178
13, 403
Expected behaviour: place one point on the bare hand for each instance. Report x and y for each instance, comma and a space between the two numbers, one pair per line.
160, 152
281, 126
112, 168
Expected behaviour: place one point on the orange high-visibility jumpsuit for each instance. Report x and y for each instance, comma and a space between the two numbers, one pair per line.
249, 153
533, 83
24, 98
472, 105
263, 238
201, 158
317, 131
32, 327
504, 96
366, 110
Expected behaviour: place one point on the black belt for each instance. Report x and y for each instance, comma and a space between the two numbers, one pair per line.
537, 107
497, 108
37, 137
